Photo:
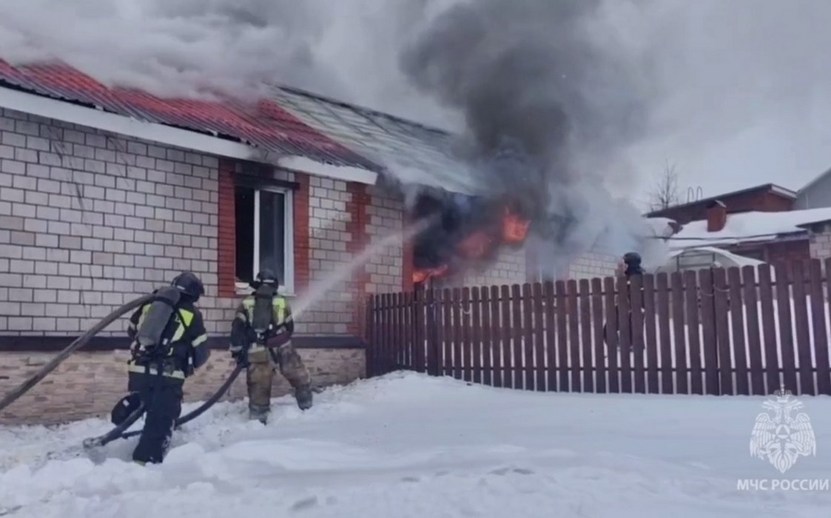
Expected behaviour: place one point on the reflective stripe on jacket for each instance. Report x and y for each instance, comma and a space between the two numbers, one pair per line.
281, 314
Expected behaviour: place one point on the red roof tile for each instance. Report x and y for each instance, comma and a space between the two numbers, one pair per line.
266, 124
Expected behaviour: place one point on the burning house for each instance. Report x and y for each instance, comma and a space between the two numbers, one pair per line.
99, 205
106, 192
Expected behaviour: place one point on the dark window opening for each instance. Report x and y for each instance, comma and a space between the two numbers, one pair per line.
260, 241
244, 205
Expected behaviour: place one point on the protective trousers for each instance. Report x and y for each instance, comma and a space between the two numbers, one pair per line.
260, 375
163, 400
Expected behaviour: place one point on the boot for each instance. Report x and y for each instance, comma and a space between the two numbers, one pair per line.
303, 395
259, 413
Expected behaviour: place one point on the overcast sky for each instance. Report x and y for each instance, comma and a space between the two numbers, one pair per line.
742, 88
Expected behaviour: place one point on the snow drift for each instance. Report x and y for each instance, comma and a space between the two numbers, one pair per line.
409, 445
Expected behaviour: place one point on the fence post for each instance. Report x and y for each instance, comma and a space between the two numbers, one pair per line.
417, 331
432, 335
370, 351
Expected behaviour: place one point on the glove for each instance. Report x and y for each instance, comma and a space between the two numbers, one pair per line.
240, 354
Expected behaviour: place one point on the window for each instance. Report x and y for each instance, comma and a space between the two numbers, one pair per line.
264, 237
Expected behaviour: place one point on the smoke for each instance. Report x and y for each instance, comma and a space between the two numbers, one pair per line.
545, 101
197, 48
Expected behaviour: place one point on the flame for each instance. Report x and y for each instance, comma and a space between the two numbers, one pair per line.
514, 228
424, 274
479, 243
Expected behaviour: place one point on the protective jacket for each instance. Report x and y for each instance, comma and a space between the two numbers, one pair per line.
243, 332
185, 351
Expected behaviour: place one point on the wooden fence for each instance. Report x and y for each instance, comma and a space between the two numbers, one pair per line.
737, 331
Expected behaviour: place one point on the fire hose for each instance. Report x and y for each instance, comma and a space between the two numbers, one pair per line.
79, 342
119, 431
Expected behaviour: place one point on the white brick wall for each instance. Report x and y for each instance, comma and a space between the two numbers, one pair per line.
593, 264
330, 254
328, 239
508, 268
820, 242
89, 221
386, 219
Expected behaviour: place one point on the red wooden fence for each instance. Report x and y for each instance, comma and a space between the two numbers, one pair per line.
737, 331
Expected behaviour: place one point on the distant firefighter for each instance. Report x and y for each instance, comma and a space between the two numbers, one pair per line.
632, 262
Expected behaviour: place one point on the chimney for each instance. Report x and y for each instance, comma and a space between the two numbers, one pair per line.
716, 216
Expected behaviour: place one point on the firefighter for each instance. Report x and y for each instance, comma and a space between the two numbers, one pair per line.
168, 344
261, 338
632, 260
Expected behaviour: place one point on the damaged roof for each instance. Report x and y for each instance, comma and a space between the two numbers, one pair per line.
290, 122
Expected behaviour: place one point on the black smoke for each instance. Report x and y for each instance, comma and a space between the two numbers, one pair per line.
543, 96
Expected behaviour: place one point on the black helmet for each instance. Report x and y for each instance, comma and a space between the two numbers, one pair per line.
632, 258
266, 276
189, 284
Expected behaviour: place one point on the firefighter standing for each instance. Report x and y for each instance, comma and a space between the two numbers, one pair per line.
632, 260
260, 335
168, 336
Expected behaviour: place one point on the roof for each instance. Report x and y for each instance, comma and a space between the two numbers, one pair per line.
814, 181
290, 123
773, 188
748, 227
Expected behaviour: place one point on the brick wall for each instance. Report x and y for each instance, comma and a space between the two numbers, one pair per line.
509, 267
89, 384
385, 221
89, 221
593, 264
820, 241
345, 218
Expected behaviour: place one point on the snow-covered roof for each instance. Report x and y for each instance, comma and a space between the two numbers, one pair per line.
661, 227
738, 260
748, 227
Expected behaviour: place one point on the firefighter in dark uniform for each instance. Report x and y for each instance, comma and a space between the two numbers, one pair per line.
168, 344
632, 262
260, 336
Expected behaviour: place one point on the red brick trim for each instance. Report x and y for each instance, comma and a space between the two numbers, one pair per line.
226, 254
302, 272
359, 239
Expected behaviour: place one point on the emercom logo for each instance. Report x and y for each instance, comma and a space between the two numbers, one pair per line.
782, 434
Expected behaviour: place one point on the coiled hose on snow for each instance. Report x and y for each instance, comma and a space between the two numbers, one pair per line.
79, 342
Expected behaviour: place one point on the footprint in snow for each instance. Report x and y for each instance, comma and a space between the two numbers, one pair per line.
505, 471
306, 503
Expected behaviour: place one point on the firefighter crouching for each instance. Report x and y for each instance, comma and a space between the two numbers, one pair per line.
168, 336
260, 336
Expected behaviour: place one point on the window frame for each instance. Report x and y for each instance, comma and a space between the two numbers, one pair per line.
287, 286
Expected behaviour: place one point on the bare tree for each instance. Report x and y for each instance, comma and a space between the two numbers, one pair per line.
665, 193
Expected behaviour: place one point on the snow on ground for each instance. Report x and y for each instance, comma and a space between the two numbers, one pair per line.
410, 445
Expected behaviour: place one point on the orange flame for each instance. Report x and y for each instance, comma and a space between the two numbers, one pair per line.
424, 274
477, 244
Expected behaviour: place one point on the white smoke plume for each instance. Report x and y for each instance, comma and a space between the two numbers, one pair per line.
195, 48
